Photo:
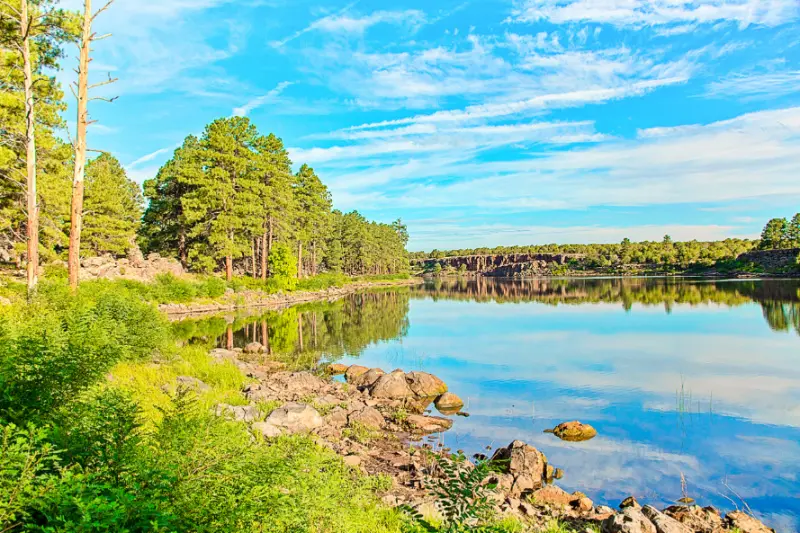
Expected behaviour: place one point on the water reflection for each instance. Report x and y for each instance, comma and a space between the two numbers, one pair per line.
679, 377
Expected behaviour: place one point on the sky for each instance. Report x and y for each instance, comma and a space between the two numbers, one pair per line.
481, 122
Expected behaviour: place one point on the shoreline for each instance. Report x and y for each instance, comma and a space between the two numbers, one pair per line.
261, 300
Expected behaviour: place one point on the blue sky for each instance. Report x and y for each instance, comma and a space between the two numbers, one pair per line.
488, 122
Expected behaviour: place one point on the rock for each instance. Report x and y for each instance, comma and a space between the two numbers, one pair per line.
630, 501
367, 416
337, 418
336, 369
391, 386
368, 378
266, 429
664, 523
429, 424
221, 353
425, 385
448, 402
353, 371
254, 347
745, 523
295, 418
558, 474
583, 504
700, 520
553, 496
631, 520
242, 413
574, 431
352, 460
526, 464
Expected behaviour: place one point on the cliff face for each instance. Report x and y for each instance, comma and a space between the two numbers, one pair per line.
502, 265
772, 260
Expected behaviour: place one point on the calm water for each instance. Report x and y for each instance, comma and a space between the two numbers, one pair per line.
692, 378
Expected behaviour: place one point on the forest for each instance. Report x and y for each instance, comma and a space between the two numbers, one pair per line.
227, 200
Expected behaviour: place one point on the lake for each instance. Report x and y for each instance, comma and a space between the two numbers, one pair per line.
688, 379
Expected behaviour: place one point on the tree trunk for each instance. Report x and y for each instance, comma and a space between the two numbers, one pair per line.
30, 146
300, 329
299, 260
76, 214
265, 337
314, 258
228, 267
182, 247
253, 252
229, 338
264, 256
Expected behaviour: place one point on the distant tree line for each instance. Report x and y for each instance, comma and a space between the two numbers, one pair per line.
664, 252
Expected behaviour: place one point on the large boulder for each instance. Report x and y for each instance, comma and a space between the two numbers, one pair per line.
698, 519
353, 372
553, 496
367, 379
664, 523
254, 347
295, 418
425, 385
526, 465
745, 523
392, 387
574, 431
336, 369
631, 520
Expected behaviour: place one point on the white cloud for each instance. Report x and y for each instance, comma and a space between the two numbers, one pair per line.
751, 86
147, 158
255, 103
640, 13
342, 22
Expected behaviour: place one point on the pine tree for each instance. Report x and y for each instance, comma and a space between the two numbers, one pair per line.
313, 207
774, 234
112, 208
222, 206
793, 232
277, 202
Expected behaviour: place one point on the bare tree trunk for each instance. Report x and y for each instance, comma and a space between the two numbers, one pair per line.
182, 246
299, 260
253, 252
264, 256
229, 338
300, 329
30, 146
265, 337
228, 267
314, 258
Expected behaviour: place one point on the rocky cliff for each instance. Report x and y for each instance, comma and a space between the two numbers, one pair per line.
772, 260
502, 265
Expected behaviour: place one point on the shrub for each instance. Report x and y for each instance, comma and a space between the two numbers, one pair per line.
283, 267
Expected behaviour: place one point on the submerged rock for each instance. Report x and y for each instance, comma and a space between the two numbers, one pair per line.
428, 424
448, 403
336, 369
574, 431
526, 465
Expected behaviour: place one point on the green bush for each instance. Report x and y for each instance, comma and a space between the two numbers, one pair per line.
283, 267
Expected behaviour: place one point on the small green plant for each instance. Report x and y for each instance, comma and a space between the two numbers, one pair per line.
360, 433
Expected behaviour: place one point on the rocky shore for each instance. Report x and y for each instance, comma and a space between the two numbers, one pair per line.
233, 301
381, 423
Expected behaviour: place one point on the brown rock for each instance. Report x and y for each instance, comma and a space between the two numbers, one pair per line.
745, 523
553, 496
631, 520
583, 504
425, 385
367, 416
336, 369
352, 460
526, 464
391, 386
295, 418
664, 523
368, 378
574, 431
354, 371
428, 424
700, 520
630, 501
448, 402
336, 418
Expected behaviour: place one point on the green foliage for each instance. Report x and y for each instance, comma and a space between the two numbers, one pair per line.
793, 232
283, 267
112, 206
774, 234
437, 268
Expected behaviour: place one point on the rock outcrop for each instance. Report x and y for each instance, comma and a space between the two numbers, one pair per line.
523, 466
133, 268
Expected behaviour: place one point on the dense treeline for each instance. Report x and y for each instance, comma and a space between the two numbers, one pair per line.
664, 252
230, 197
781, 234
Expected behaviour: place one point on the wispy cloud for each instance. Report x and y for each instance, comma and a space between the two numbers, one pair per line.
752, 86
641, 13
255, 103
149, 157
346, 23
